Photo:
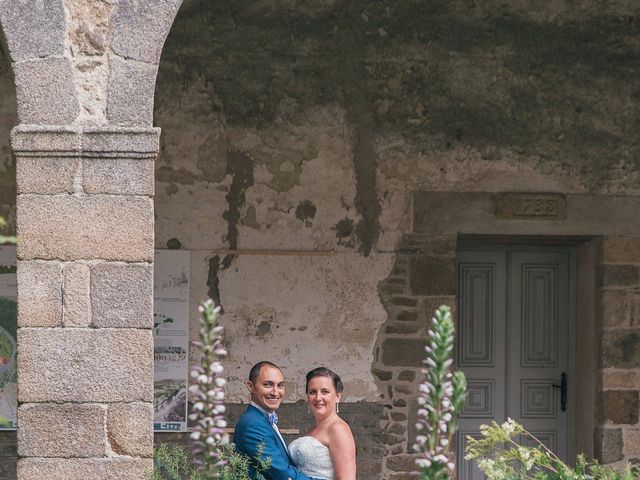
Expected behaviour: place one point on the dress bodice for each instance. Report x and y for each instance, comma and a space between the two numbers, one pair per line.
311, 457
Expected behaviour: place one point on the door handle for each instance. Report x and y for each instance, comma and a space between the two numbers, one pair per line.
563, 391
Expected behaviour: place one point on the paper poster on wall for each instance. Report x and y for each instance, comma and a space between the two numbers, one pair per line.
171, 339
8, 323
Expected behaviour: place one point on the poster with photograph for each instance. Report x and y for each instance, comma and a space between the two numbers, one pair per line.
8, 324
171, 339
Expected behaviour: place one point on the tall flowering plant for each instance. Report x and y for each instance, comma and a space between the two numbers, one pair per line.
441, 399
207, 396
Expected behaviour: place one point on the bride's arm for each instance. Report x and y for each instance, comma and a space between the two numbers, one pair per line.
343, 451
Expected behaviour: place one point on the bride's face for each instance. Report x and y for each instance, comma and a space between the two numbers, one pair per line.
322, 397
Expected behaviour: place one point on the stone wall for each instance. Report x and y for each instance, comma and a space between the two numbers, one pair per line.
619, 403
291, 132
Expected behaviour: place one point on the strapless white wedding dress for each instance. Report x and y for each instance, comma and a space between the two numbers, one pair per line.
311, 457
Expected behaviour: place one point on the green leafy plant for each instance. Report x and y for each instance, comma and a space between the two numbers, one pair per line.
172, 462
440, 402
508, 451
4, 239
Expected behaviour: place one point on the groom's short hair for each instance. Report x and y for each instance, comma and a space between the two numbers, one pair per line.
255, 370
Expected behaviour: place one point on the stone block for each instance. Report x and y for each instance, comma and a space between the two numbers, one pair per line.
46, 175
621, 348
76, 300
614, 309
113, 141
85, 365
620, 308
122, 295
430, 305
609, 445
45, 91
402, 328
621, 249
620, 379
404, 301
382, 375
407, 376
432, 276
134, 16
33, 29
402, 463
39, 294
83, 469
62, 430
631, 443
91, 227
32, 140
407, 316
620, 406
130, 92
129, 428
119, 176
401, 352
619, 276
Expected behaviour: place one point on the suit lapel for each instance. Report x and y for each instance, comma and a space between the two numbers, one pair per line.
276, 437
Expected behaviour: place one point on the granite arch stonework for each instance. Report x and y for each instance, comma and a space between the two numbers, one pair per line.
85, 149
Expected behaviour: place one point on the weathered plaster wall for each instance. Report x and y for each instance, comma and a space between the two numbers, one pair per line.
294, 137
306, 127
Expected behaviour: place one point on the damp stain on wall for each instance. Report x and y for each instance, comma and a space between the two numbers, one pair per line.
240, 169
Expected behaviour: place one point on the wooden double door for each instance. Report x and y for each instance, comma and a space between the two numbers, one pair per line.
514, 343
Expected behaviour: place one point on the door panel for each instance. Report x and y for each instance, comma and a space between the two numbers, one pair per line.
539, 333
513, 343
480, 346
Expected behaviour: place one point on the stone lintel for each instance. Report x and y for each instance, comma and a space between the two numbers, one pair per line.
442, 213
102, 142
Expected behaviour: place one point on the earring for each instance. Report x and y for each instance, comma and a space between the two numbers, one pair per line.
308, 409
337, 407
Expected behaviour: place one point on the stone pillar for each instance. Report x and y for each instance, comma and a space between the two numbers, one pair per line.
85, 295
84, 73
618, 438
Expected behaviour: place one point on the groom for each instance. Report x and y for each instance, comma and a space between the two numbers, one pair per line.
259, 423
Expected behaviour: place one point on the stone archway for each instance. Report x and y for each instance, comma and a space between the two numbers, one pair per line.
85, 148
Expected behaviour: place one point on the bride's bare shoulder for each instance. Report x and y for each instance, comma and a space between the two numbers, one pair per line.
340, 429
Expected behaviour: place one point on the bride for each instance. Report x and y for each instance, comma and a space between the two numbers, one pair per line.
328, 451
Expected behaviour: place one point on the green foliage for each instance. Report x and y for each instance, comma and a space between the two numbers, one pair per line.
171, 462
4, 239
237, 465
509, 452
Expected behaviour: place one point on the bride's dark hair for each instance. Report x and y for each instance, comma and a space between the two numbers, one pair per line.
325, 372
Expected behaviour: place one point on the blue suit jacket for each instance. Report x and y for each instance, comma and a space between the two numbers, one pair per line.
254, 429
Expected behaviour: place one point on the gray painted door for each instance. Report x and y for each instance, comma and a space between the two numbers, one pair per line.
514, 323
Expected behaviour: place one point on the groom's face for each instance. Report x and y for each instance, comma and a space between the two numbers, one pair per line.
268, 389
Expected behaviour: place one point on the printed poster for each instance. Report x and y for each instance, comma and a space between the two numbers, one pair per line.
171, 339
8, 325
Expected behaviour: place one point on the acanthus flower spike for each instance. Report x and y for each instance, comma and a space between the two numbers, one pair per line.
440, 401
